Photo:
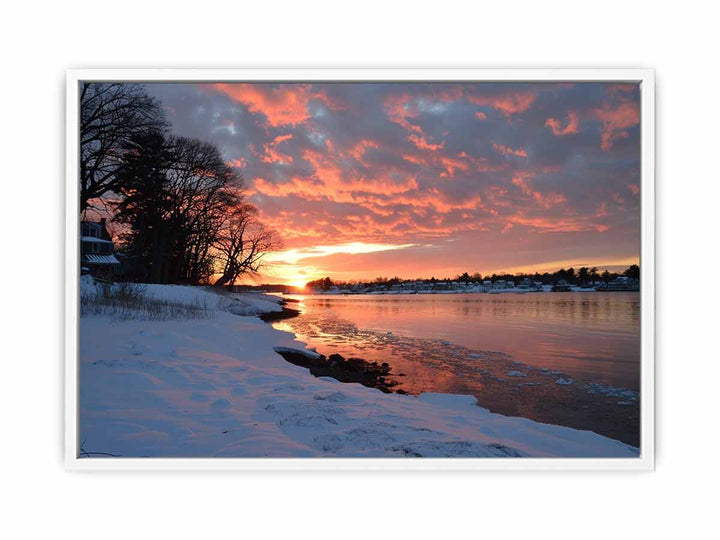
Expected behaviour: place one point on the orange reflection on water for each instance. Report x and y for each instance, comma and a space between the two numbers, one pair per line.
592, 336
535, 355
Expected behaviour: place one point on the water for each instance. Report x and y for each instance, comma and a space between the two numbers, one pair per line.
565, 358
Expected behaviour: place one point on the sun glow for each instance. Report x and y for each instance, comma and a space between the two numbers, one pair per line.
286, 266
297, 282
292, 256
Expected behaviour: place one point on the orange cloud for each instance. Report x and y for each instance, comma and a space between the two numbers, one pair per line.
422, 144
399, 109
430, 199
508, 104
571, 128
522, 180
329, 145
328, 183
563, 224
238, 163
281, 105
481, 115
507, 151
272, 155
292, 256
306, 188
358, 150
417, 160
451, 164
462, 162
616, 119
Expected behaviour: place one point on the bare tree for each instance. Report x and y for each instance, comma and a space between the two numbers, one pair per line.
111, 114
242, 243
176, 194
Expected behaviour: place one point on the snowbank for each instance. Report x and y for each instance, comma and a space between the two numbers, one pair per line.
207, 298
216, 387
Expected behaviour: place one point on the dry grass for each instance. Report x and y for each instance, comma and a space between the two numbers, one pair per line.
127, 301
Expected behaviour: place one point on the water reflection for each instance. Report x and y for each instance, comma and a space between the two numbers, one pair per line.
562, 358
591, 336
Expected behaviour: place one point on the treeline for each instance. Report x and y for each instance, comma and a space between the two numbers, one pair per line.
181, 208
582, 276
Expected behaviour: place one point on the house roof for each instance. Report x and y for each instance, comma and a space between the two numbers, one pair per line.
98, 240
100, 259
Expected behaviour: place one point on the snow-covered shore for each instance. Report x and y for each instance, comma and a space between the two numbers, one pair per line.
214, 386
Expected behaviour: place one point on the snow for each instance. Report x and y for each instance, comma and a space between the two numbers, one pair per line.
100, 259
216, 387
244, 304
313, 355
95, 240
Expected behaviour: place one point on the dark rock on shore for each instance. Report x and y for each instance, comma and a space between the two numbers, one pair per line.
286, 313
349, 370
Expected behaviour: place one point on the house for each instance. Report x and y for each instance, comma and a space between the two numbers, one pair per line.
526, 283
97, 252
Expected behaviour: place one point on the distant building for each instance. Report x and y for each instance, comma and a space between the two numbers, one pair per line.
621, 283
97, 251
526, 283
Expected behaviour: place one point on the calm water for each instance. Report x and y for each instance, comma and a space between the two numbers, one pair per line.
564, 358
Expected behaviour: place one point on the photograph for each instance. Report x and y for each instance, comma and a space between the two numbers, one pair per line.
305, 258
338, 269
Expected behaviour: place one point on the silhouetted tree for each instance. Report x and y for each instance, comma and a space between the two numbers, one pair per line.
176, 193
583, 274
242, 243
632, 272
111, 115
323, 283
146, 207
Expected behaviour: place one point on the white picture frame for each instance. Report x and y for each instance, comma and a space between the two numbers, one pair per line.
646, 459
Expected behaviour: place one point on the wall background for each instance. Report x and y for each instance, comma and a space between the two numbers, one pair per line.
40, 42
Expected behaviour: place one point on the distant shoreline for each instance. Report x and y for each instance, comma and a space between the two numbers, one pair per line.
429, 293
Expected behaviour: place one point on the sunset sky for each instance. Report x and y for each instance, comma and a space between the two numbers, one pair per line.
362, 180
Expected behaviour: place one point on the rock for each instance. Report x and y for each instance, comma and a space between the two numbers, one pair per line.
285, 313
350, 370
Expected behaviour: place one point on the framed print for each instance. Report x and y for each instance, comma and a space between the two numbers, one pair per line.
360, 269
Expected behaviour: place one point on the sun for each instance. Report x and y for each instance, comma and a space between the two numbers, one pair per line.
298, 282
